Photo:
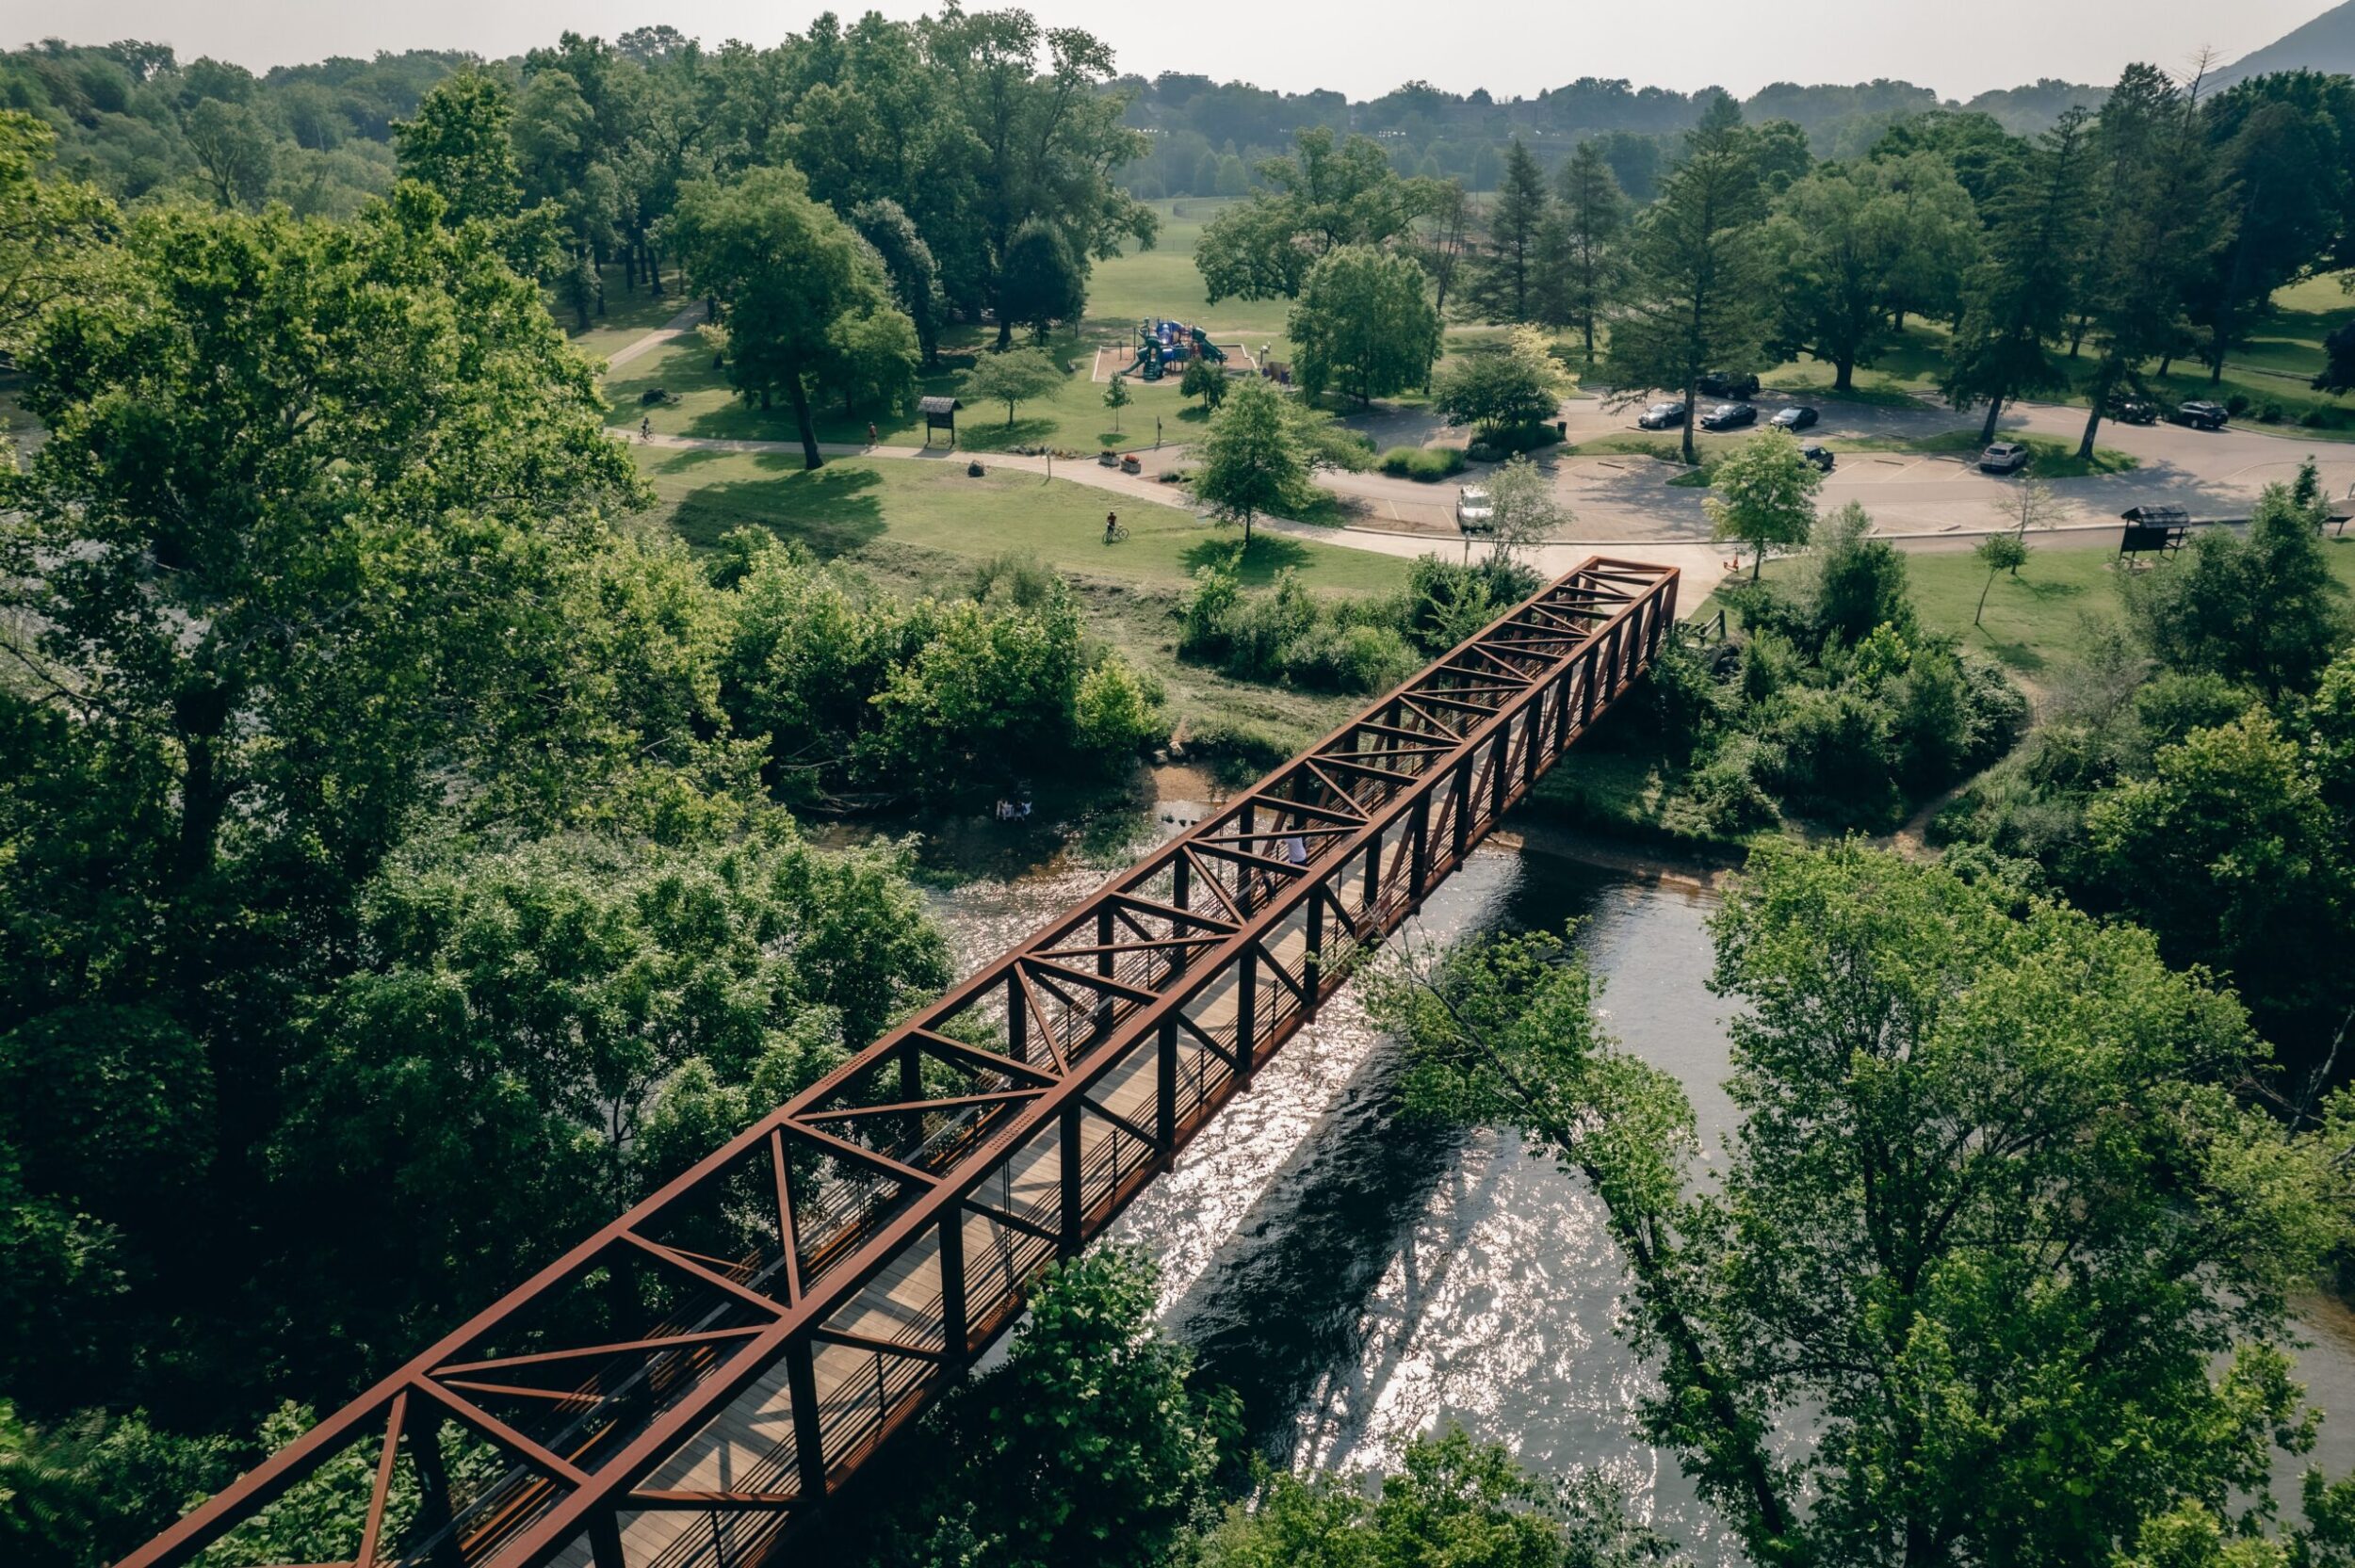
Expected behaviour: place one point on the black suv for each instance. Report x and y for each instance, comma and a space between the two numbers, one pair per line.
1820, 455
1729, 416
2200, 416
2132, 410
1728, 383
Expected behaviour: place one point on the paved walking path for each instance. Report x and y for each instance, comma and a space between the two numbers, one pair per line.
680, 326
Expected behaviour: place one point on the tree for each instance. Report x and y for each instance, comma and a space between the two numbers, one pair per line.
1506, 386
1998, 552
2262, 611
1205, 381
785, 269
1858, 244
1587, 269
305, 487
2157, 230
1328, 193
1013, 376
871, 359
1763, 495
458, 142
2282, 144
1251, 461
2227, 852
1038, 283
914, 275
1504, 283
2337, 374
234, 151
1117, 399
50, 228
1364, 323
1697, 299
1447, 242
1523, 508
2018, 296
1989, 1182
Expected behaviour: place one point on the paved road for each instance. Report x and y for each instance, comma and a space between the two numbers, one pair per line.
1910, 496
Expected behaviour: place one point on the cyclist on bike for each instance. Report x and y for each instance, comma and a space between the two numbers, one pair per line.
1112, 526
645, 429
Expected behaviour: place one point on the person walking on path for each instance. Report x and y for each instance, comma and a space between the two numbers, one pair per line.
1157, 441
645, 429
870, 432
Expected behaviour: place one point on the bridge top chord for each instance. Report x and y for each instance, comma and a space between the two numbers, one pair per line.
684, 1385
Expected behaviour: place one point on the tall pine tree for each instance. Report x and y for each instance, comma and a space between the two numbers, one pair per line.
1505, 285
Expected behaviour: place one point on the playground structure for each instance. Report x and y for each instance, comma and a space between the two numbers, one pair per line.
1156, 348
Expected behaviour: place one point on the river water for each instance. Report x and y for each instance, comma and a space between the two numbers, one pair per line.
1361, 1277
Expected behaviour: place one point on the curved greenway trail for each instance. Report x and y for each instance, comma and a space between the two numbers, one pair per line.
1361, 1277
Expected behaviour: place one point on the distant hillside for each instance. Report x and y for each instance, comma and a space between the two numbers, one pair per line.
2326, 43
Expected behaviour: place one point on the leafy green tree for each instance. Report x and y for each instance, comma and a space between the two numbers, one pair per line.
458, 143
1506, 386
1998, 552
1252, 461
1364, 323
1205, 381
787, 270
914, 275
232, 149
1117, 399
521, 1017
1856, 243
871, 359
51, 228
1092, 1447
1763, 495
1587, 266
1038, 283
1449, 1501
1989, 1182
1697, 299
1013, 376
1505, 282
1447, 241
2263, 611
2017, 298
1118, 712
1329, 192
2157, 231
1525, 510
2229, 854
2281, 143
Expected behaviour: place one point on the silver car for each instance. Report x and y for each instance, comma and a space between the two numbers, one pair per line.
2005, 457
1475, 512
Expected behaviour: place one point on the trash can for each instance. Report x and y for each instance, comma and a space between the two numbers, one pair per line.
1562, 428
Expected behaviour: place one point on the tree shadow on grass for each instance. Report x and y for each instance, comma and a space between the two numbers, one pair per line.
829, 512
996, 435
1268, 555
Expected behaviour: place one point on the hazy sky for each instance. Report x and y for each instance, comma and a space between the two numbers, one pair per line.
1510, 47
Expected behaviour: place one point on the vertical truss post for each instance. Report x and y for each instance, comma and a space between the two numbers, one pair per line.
1247, 1015
423, 1427
1419, 848
955, 1333
1462, 846
1312, 963
1373, 874
1104, 967
1018, 1020
1501, 771
1180, 883
604, 1540
809, 1440
1587, 689
1165, 1088
1073, 1194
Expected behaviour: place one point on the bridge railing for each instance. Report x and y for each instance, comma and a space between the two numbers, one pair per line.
698, 1375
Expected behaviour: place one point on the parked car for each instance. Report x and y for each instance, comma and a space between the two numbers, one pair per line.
1730, 384
1662, 416
2200, 416
2132, 410
2005, 457
1729, 416
1818, 454
1475, 512
1794, 418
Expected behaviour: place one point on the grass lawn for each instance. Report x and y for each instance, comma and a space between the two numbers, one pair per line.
851, 506
2047, 615
1163, 284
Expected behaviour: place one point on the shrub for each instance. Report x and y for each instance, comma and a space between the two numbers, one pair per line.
1118, 712
1480, 451
1348, 659
1232, 741
2236, 404
1727, 795
1836, 753
1426, 464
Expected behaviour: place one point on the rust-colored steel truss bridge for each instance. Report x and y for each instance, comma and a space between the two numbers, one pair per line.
684, 1386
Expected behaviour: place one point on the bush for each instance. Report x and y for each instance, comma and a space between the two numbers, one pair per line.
1727, 795
2236, 404
1348, 659
1480, 451
1118, 712
1232, 741
1521, 438
1426, 464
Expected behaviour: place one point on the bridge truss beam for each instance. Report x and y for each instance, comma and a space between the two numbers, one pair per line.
682, 1386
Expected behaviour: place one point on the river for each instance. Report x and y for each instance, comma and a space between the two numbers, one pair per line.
1360, 1277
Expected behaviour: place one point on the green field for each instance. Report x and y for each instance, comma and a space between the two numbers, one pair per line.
2046, 617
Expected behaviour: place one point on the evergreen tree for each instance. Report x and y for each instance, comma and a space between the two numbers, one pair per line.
1584, 267
1504, 282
